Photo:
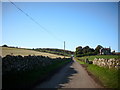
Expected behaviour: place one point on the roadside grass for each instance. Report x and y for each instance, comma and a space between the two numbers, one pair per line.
108, 77
80, 62
99, 56
30, 78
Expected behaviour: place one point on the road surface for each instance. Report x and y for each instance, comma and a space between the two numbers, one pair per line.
73, 75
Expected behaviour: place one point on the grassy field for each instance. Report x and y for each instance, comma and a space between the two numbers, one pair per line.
98, 56
25, 52
108, 77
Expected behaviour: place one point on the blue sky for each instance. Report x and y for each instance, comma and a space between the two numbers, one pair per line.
77, 23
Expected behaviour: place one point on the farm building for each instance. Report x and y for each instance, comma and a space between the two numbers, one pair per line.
105, 51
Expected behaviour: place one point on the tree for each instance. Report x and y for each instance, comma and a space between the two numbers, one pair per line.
86, 49
78, 51
5, 45
97, 49
92, 50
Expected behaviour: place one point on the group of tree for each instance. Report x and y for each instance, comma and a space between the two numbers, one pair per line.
4, 45
87, 51
55, 51
9, 46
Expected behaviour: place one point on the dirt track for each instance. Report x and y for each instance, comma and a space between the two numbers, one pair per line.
72, 75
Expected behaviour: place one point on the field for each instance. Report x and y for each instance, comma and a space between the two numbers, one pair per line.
25, 52
99, 56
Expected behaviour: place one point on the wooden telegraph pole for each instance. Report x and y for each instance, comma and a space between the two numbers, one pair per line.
64, 49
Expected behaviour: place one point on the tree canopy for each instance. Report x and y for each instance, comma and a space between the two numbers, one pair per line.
86, 51
97, 49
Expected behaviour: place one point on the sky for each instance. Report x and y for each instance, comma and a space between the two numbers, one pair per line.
76, 23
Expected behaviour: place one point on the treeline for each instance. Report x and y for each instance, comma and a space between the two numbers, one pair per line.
12, 46
87, 51
55, 51
18, 71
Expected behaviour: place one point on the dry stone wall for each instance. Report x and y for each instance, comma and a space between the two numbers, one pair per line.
110, 63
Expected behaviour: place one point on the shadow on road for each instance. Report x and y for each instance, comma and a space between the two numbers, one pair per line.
61, 77
68, 74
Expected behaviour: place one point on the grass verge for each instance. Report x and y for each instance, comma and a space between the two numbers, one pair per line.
108, 77
80, 62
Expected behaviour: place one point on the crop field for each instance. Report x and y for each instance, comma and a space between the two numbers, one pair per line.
25, 52
99, 56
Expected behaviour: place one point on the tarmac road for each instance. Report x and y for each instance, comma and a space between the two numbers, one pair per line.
73, 75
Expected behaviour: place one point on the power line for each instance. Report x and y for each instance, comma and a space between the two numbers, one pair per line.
35, 21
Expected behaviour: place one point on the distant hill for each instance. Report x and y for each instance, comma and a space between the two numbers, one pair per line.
55, 51
25, 52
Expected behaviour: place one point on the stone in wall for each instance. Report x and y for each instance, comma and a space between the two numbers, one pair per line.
110, 63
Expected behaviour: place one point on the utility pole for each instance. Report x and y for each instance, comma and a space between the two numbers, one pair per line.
64, 49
